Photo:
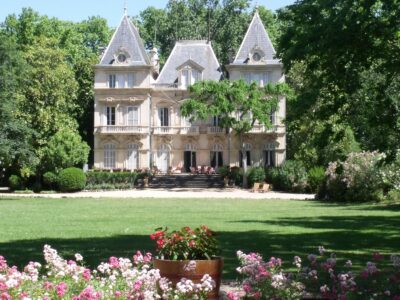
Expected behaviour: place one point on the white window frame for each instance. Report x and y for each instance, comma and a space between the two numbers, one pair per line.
130, 149
269, 151
249, 77
111, 115
161, 116
193, 75
112, 81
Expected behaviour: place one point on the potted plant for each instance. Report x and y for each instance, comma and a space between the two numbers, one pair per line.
188, 253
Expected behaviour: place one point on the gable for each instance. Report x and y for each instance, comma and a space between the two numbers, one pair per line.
125, 47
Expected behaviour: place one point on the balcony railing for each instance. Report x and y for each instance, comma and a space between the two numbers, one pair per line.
122, 129
190, 130
215, 130
263, 129
165, 130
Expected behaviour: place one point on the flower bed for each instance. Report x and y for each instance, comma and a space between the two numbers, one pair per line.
320, 277
119, 278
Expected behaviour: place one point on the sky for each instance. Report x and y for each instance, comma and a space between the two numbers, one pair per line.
111, 10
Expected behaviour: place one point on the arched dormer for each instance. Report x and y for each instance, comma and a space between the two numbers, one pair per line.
189, 73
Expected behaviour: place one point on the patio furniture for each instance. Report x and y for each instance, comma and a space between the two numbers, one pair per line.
265, 187
257, 187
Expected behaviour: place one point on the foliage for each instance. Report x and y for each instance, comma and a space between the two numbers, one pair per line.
315, 178
64, 149
225, 99
15, 183
391, 173
71, 180
256, 174
15, 135
50, 180
186, 243
224, 171
236, 174
358, 178
117, 278
318, 276
111, 180
291, 176
346, 87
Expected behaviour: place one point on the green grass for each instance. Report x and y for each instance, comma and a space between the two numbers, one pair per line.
99, 228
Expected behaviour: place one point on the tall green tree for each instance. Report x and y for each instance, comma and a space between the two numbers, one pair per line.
238, 105
16, 151
343, 60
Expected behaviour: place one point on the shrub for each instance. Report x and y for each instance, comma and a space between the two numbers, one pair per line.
289, 177
64, 150
50, 180
236, 175
15, 183
111, 180
391, 174
71, 180
315, 178
358, 178
255, 175
224, 171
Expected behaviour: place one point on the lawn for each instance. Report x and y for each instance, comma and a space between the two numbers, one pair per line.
99, 228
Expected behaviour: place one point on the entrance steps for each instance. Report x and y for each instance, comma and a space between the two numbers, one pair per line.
188, 181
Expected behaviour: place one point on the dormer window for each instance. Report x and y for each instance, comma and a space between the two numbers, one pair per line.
189, 73
121, 57
256, 55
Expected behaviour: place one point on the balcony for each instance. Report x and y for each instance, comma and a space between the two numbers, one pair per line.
117, 129
215, 130
190, 130
165, 130
262, 129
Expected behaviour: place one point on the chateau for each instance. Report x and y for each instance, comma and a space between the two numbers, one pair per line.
137, 122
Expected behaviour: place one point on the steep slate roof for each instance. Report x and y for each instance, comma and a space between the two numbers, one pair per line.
194, 52
126, 38
256, 36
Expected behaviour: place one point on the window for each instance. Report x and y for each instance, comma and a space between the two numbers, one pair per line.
216, 156
247, 148
109, 156
256, 56
272, 118
131, 80
121, 58
216, 121
121, 80
260, 78
111, 81
132, 157
110, 114
163, 115
132, 116
189, 76
269, 155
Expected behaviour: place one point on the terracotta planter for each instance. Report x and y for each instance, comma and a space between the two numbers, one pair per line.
175, 270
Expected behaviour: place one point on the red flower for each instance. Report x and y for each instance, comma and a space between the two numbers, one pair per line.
192, 244
160, 243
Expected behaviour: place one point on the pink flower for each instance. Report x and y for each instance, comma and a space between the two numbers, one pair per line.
61, 289
86, 274
137, 285
377, 256
3, 286
47, 285
114, 262
3, 264
118, 294
5, 296
232, 296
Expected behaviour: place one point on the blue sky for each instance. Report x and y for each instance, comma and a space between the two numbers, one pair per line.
112, 10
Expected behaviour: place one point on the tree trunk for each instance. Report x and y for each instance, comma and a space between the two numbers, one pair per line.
244, 162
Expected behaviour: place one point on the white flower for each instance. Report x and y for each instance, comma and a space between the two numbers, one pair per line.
78, 257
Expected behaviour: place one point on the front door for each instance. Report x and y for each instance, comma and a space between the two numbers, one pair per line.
189, 159
216, 159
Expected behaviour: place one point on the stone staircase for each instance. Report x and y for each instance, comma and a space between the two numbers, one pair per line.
186, 181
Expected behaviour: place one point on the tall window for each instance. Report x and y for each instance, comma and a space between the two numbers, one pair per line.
216, 156
185, 78
132, 157
111, 81
121, 80
196, 76
163, 114
247, 148
272, 117
132, 116
269, 155
109, 156
110, 114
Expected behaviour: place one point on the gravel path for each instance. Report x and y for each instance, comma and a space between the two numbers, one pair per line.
229, 193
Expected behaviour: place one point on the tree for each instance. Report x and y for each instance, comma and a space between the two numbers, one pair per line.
237, 104
16, 136
343, 61
65, 149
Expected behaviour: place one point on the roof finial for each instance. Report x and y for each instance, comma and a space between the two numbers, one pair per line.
256, 5
125, 8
